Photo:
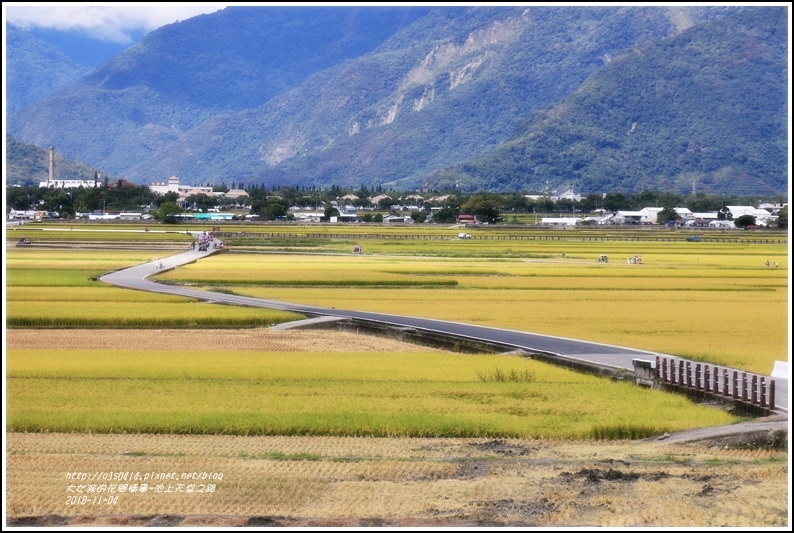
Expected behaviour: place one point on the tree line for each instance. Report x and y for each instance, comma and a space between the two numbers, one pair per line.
276, 203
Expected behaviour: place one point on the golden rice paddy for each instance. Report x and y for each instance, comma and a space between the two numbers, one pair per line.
709, 305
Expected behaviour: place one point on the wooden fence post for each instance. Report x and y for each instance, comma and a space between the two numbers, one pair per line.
772, 394
706, 378
744, 386
698, 386
735, 385
725, 381
762, 392
753, 391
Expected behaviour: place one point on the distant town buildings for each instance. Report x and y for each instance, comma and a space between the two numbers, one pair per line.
172, 185
68, 184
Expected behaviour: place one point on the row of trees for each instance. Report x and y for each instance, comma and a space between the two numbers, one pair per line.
273, 204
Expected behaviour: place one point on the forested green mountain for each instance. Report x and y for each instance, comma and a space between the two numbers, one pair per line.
491, 98
705, 111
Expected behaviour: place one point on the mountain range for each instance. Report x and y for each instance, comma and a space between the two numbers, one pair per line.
521, 98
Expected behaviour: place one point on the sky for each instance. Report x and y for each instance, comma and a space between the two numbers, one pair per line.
117, 22
124, 22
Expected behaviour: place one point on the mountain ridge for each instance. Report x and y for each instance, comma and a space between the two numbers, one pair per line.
435, 99
671, 128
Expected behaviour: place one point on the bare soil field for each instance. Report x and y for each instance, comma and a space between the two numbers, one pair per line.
736, 476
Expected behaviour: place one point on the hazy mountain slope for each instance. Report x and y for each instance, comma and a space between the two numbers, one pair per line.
187, 72
27, 164
705, 110
38, 69
86, 48
447, 88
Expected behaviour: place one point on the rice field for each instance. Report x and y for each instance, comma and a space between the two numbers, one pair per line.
672, 302
706, 307
100, 379
59, 288
83, 230
157, 382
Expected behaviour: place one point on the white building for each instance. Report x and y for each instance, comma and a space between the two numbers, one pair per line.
772, 208
68, 184
564, 221
26, 215
650, 215
723, 224
347, 213
701, 219
628, 217
172, 185
761, 215
309, 216
394, 219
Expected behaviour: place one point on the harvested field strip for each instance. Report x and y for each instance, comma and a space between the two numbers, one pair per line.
114, 234
140, 314
368, 480
247, 339
327, 283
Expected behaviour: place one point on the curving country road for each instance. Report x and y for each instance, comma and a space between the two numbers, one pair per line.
602, 354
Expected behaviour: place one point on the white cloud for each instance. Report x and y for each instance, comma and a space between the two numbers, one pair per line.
107, 22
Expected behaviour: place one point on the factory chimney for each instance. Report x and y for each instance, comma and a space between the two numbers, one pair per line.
51, 176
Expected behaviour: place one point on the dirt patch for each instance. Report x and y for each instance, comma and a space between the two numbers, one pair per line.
598, 475
501, 447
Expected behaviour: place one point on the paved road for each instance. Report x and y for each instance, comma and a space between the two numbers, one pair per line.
603, 354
